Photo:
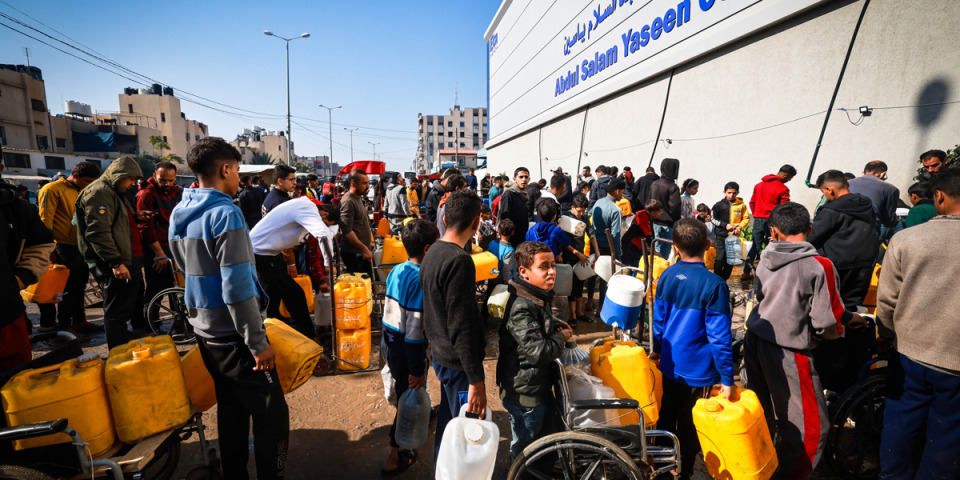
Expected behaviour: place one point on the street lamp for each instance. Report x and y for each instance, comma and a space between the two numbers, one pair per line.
287, 40
351, 130
330, 121
374, 149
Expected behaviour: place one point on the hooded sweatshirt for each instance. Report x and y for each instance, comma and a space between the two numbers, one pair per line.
25, 246
770, 192
550, 234
641, 190
798, 297
104, 216
209, 238
726, 213
845, 231
513, 205
666, 190
395, 204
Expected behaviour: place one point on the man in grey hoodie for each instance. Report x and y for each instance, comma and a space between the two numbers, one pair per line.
395, 204
665, 190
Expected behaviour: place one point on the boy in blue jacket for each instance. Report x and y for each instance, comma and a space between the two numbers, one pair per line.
403, 344
691, 337
547, 231
209, 239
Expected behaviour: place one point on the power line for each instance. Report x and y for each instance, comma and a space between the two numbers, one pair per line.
748, 131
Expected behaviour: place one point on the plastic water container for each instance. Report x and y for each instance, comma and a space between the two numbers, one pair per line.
587, 387
468, 450
624, 301
734, 437
564, 280
200, 387
734, 250
572, 225
487, 266
322, 310
573, 354
626, 368
393, 251
353, 349
604, 267
383, 228
307, 286
148, 394
74, 390
367, 283
870, 300
413, 418
49, 288
351, 299
625, 209
297, 355
497, 303
583, 271
659, 265
745, 247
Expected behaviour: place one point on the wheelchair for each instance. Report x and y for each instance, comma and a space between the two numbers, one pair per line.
597, 451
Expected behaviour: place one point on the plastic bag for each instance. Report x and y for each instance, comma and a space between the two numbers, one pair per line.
587, 387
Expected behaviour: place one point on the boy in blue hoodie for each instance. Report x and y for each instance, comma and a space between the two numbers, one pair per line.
210, 241
547, 231
691, 337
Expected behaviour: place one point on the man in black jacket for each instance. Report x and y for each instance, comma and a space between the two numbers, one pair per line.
665, 190
436, 194
451, 319
845, 231
25, 247
565, 198
599, 188
641, 189
513, 205
251, 204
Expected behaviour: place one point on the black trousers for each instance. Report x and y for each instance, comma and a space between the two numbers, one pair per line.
355, 263
676, 415
281, 287
854, 284
69, 311
122, 302
156, 281
241, 394
602, 250
720, 265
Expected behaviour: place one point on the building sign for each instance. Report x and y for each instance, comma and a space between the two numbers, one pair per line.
546, 59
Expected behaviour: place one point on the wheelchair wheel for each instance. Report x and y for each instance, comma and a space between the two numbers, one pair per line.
574, 455
15, 472
167, 315
853, 443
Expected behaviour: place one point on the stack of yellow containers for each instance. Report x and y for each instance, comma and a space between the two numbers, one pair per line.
353, 301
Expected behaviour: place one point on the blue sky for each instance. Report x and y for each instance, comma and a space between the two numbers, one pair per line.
383, 61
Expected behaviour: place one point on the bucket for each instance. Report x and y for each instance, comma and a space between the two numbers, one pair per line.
297, 355
486, 264
624, 301
564, 283
304, 282
49, 288
734, 437
200, 387
497, 303
572, 226
604, 267
74, 390
468, 450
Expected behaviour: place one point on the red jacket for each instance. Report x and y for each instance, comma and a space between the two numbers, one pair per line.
152, 197
767, 194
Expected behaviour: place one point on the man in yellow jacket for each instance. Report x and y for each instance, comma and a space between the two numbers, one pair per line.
730, 216
413, 198
57, 201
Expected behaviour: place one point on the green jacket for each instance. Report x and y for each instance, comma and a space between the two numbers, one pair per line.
102, 216
920, 213
529, 343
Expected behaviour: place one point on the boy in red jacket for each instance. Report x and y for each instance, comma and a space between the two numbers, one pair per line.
770, 192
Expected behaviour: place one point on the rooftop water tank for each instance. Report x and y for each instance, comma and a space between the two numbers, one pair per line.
144, 91
156, 89
168, 91
129, 91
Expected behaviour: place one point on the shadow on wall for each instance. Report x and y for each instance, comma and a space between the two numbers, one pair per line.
933, 94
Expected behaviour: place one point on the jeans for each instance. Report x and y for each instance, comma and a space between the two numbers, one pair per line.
454, 388
664, 232
528, 424
761, 235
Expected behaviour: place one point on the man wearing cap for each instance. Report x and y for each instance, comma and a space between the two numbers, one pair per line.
285, 227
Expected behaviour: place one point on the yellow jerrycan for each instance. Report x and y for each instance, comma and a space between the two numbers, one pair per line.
486, 265
734, 437
659, 265
353, 349
147, 391
297, 355
383, 228
393, 251
73, 390
307, 286
625, 367
200, 387
49, 288
351, 302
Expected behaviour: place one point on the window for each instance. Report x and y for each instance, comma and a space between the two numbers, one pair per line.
37, 105
42, 143
462, 145
3, 135
459, 161
16, 160
96, 162
280, 148
188, 136
461, 134
61, 143
484, 124
461, 124
449, 144
164, 138
56, 163
130, 107
449, 124
163, 117
196, 138
449, 134
429, 120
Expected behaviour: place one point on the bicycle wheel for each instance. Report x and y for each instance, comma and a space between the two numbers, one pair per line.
167, 315
852, 448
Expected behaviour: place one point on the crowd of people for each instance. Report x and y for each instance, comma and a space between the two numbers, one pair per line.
240, 244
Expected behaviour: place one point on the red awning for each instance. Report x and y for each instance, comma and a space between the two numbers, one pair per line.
369, 167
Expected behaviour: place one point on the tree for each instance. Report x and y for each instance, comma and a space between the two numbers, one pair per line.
261, 158
304, 167
158, 144
172, 158
953, 160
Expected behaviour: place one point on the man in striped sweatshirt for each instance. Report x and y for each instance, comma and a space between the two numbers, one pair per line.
210, 241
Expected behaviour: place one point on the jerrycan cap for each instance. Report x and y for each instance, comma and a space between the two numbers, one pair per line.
473, 432
140, 353
712, 406
87, 358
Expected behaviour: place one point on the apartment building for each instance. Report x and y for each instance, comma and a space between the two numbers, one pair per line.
158, 108
462, 129
255, 140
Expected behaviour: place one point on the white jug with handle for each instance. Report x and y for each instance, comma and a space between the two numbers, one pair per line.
468, 450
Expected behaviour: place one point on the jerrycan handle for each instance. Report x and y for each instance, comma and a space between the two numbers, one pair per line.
35, 376
463, 413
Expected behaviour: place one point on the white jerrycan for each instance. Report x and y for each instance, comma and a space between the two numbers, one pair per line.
468, 450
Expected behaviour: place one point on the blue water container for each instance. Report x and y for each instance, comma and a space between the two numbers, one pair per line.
624, 301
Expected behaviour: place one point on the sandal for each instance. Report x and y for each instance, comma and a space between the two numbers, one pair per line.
405, 460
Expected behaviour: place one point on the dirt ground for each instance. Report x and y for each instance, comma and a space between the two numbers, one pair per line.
339, 423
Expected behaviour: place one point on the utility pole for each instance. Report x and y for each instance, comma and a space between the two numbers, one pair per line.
374, 149
351, 130
287, 40
26, 51
330, 122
